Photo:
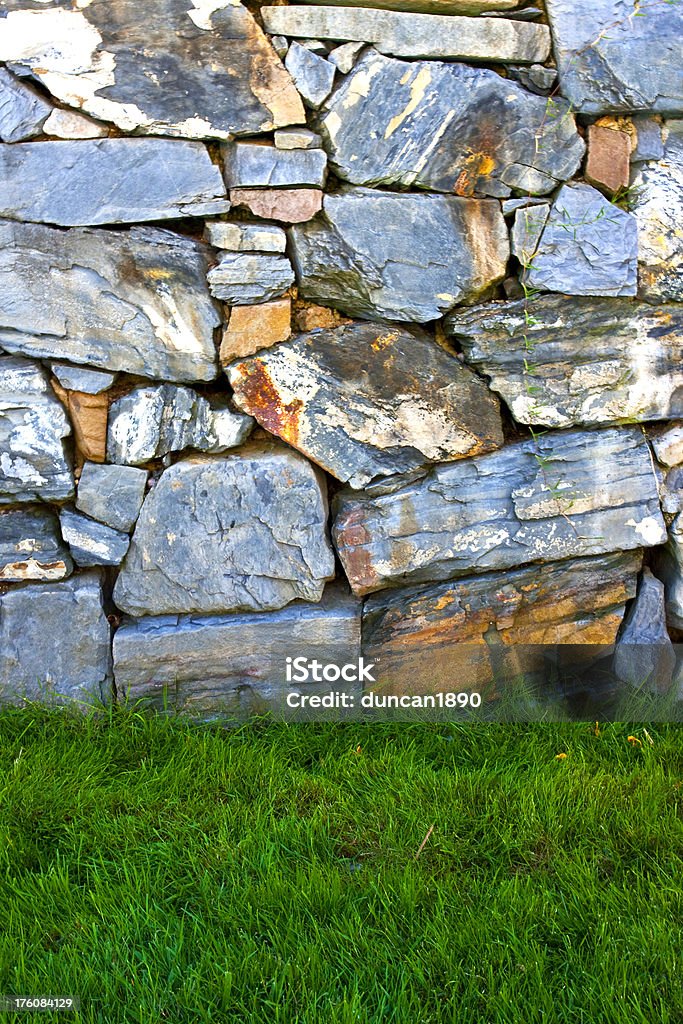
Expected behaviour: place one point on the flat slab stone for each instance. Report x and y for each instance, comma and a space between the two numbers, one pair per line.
248, 164
589, 246
483, 627
296, 138
563, 495
448, 127
204, 71
150, 422
22, 111
383, 255
80, 378
289, 205
610, 61
368, 400
109, 181
90, 542
135, 301
33, 426
243, 532
404, 34
658, 208
232, 664
244, 278
240, 237
112, 494
562, 361
54, 643
432, 6
31, 547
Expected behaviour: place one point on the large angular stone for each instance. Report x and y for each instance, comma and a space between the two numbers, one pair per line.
22, 111
561, 360
244, 532
134, 301
109, 181
448, 127
645, 656
245, 278
54, 643
248, 164
112, 494
470, 629
200, 70
90, 542
403, 34
31, 547
150, 422
589, 246
613, 57
312, 74
33, 425
384, 255
561, 495
232, 664
368, 401
658, 208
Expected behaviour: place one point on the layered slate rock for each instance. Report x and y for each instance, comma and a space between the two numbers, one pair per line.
563, 495
134, 301
109, 181
90, 542
197, 70
563, 360
31, 547
610, 60
384, 255
448, 127
112, 494
22, 111
669, 569
243, 532
312, 74
645, 655
474, 629
404, 34
245, 278
33, 426
239, 237
55, 643
589, 246
248, 164
80, 378
150, 422
232, 664
368, 400
658, 208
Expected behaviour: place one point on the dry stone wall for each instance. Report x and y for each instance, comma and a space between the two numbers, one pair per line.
345, 325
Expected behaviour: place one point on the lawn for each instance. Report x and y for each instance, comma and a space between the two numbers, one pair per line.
273, 873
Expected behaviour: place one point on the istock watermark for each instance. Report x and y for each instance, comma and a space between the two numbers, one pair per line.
305, 670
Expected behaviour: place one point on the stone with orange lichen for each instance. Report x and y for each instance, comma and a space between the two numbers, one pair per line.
289, 205
251, 328
447, 127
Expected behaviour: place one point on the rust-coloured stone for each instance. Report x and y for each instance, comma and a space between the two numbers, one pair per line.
289, 205
88, 415
609, 158
254, 327
309, 317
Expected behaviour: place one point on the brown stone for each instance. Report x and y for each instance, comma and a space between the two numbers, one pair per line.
289, 205
609, 156
254, 327
88, 415
310, 317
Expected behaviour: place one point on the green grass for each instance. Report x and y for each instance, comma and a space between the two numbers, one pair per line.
268, 874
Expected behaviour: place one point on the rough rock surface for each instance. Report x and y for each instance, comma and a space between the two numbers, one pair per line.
589, 246
296, 138
196, 70
470, 629
150, 422
54, 643
31, 547
243, 532
22, 111
240, 237
80, 378
399, 257
610, 60
251, 328
368, 400
66, 124
448, 127
134, 300
527, 230
289, 205
609, 155
577, 361
245, 278
249, 164
312, 74
668, 445
33, 425
562, 495
90, 542
232, 664
404, 34
645, 656
109, 181
669, 569
658, 209
112, 494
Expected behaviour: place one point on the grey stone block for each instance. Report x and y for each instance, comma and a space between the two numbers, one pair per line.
644, 655
112, 494
80, 378
90, 542
22, 111
248, 164
658, 208
312, 74
244, 278
527, 230
241, 237
31, 547
296, 138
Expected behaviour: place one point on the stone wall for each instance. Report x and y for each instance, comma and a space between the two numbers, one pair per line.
335, 325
